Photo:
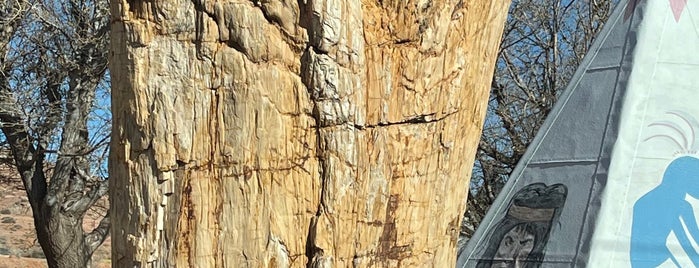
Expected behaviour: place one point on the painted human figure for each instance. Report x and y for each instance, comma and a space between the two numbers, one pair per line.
661, 211
515, 247
519, 239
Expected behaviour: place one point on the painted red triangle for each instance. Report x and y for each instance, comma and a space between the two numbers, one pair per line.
677, 6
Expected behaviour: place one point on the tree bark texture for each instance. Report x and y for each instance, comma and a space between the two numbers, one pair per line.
305, 133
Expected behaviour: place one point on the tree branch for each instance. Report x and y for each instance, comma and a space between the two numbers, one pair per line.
95, 238
23, 151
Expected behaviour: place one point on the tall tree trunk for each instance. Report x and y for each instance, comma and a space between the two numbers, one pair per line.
306, 133
62, 239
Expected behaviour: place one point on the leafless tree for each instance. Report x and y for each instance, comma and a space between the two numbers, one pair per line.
53, 65
543, 43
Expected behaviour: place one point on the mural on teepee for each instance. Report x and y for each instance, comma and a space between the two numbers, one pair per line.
664, 210
654, 173
519, 239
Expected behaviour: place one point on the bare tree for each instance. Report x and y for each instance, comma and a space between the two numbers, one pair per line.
53, 62
543, 43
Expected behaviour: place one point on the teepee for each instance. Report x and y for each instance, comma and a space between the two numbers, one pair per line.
612, 178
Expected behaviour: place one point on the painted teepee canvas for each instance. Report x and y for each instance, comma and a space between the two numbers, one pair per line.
612, 178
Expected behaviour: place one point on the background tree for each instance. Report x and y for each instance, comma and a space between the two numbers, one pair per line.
53, 69
542, 45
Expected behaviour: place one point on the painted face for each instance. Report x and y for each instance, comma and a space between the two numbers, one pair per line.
514, 248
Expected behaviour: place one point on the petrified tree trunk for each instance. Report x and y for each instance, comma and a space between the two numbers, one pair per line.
302, 133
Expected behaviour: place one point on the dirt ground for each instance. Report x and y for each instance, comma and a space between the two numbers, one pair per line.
18, 244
